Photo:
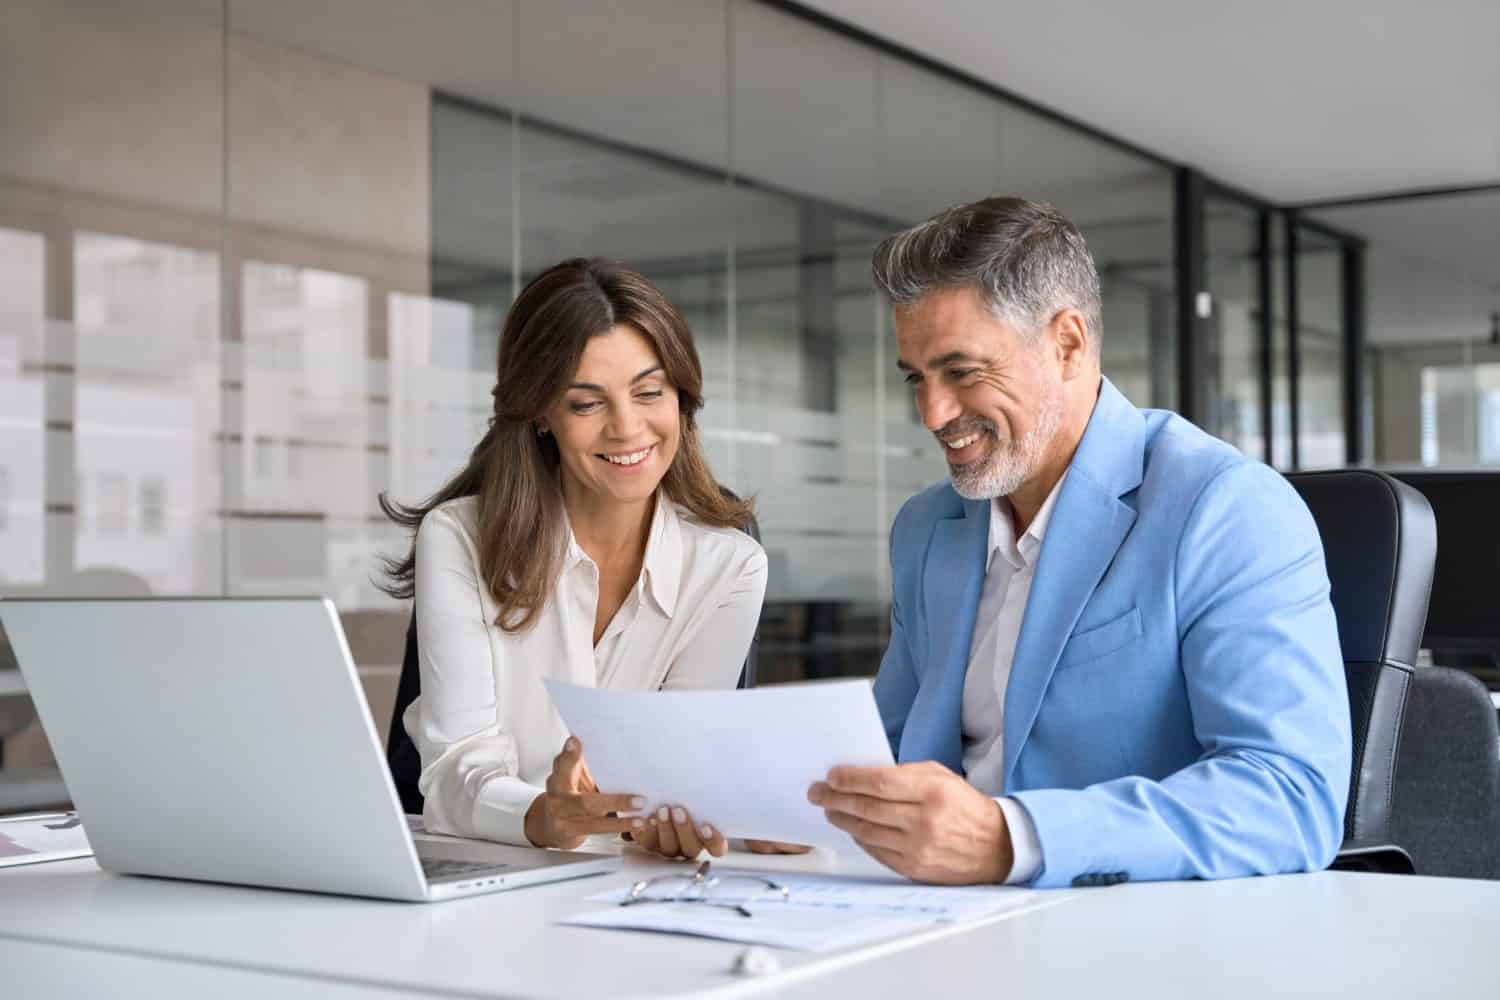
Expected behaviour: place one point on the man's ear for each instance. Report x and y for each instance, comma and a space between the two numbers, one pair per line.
1072, 340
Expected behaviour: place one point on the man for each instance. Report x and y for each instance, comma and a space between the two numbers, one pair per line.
1112, 650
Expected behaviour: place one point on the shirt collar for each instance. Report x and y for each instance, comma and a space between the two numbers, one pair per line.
661, 570
1003, 530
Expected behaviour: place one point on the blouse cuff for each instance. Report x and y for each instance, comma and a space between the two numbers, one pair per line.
500, 809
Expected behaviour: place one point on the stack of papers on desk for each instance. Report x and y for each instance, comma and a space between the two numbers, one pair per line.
823, 912
37, 837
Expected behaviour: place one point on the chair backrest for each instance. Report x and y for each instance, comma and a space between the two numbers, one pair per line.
1446, 805
401, 753
1380, 543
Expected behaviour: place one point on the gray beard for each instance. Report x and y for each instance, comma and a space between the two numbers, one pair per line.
1003, 471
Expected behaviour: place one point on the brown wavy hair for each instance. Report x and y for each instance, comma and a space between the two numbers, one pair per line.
513, 472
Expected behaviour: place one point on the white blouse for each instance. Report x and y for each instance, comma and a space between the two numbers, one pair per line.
484, 726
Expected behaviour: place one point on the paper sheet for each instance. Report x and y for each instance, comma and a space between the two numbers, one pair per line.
822, 913
893, 896
740, 760
37, 837
799, 930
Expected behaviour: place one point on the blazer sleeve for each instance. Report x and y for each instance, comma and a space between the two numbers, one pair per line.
896, 682
1264, 674
470, 768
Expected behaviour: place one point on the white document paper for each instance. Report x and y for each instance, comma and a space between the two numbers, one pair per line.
822, 912
740, 760
893, 896
797, 929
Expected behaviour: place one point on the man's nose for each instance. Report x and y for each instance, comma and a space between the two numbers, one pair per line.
938, 408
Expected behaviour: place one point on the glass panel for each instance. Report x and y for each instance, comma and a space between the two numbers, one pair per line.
22, 409
147, 417
1432, 312
1231, 400
299, 474
1320, 347
1123, 205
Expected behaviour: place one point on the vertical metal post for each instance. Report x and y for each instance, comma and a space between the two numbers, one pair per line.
1189, 252
1293, 355
1265, 330
1352, 258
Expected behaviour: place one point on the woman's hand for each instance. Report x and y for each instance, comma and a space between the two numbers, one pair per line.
774, 847
573, 807
670, 831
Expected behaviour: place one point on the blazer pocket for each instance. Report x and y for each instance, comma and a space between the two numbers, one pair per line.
1102, 640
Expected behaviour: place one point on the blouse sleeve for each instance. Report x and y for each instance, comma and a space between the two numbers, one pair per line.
714, 657
469, 763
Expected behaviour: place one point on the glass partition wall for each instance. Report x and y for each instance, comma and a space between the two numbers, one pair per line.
242, 295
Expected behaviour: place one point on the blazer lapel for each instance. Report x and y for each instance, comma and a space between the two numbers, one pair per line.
1086, 530
951, 584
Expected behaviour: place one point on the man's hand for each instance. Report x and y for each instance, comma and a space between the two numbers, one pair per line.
572, 807
920, 820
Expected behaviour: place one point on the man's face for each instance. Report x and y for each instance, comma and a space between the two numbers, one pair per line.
993, 399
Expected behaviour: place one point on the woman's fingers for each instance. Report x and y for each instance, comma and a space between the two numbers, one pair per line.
687, 837
714, 842
644, 836
666, 833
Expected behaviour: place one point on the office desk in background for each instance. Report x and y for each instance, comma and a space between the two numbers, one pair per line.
67, 929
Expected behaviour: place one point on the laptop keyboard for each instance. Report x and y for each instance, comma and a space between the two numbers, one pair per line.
447, 869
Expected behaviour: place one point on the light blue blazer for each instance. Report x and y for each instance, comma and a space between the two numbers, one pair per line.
1177, 705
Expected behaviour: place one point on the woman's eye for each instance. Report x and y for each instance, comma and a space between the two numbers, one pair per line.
650, 394
588, 407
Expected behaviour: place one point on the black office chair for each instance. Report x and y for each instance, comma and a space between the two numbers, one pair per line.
1380, 544
401, 753
1445, 809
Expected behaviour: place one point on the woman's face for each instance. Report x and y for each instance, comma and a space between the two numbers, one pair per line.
617, 424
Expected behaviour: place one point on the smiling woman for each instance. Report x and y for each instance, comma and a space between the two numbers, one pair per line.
585, 540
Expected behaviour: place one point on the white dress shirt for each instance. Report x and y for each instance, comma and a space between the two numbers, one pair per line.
1002, 604
485, 729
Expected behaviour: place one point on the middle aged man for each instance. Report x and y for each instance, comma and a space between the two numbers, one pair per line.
1112, 650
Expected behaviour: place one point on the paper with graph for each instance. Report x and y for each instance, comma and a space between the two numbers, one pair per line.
741, 760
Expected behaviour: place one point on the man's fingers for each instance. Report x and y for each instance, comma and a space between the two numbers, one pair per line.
869, 834
902, 783
902, 815
893, 860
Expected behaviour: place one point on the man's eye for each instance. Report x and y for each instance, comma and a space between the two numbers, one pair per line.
959, 374
650, 394
912, 378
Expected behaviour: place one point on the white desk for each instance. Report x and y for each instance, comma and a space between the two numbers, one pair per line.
69, 927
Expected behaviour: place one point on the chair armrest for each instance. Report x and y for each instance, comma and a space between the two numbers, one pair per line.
1366, 856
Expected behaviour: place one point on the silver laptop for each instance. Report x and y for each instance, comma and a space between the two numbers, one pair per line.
229, 741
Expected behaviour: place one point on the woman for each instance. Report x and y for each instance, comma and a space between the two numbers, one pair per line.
586, 540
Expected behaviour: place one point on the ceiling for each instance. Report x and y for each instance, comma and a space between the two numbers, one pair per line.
1291, 100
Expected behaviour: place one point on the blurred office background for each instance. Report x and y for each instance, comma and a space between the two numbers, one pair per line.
254, 256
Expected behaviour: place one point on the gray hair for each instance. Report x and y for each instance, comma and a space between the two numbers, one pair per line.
1025, 257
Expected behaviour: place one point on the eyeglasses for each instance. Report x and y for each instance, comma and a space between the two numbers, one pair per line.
732, 892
